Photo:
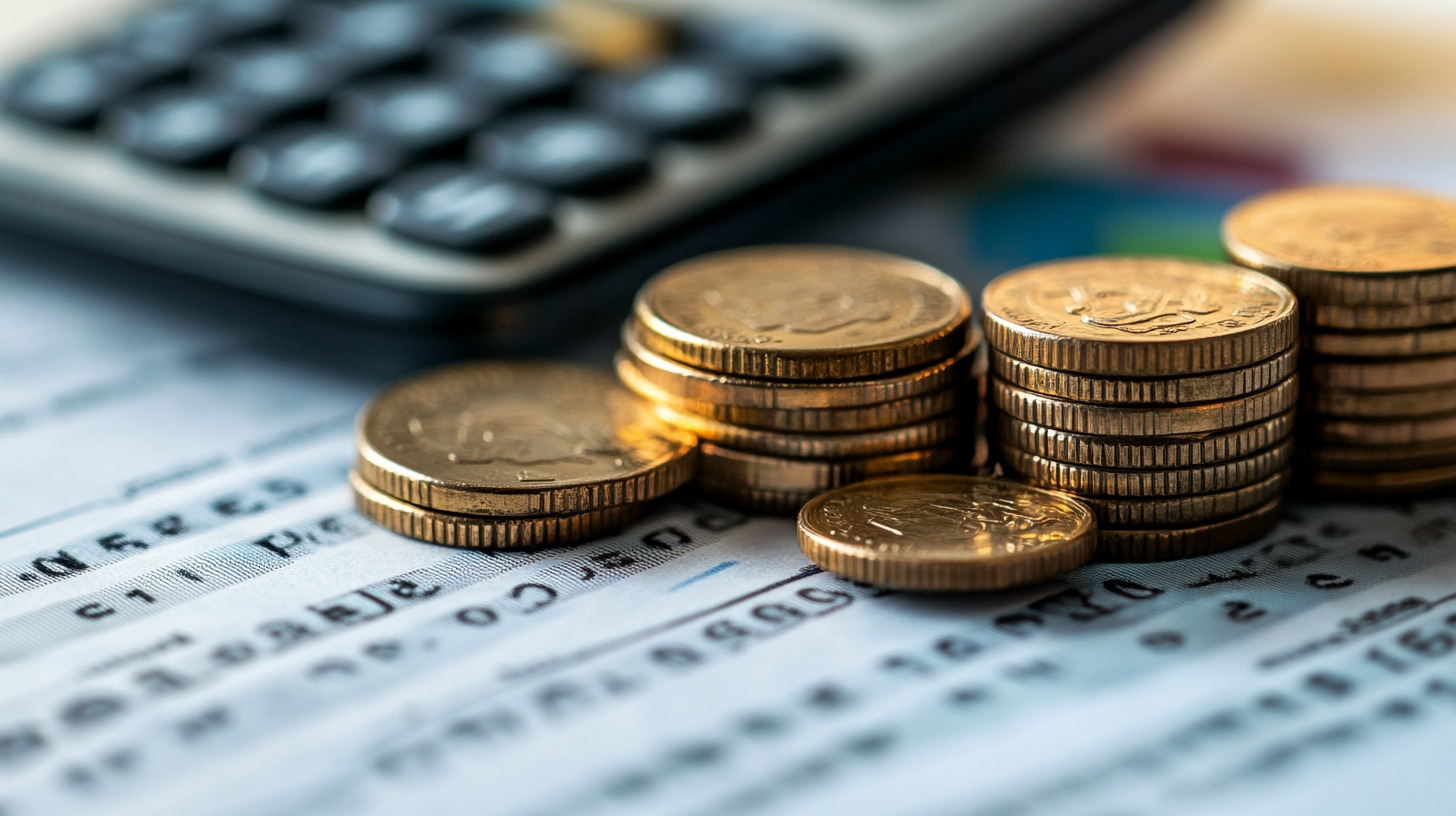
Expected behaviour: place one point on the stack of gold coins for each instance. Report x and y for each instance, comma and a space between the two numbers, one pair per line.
805, 368
1159, 391
1375, 271
506, 455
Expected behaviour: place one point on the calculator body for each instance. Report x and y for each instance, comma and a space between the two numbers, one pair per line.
898, 71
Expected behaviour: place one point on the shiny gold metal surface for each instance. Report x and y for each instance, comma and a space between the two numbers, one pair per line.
944, 430
486, 532
519, 439
1123, 452
1219, 386
803, 313
1111, 420
1138, 317
1349, 244
938, 532
1186, 510
1149, 484
1187, 542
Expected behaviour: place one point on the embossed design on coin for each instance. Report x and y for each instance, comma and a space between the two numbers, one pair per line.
795, 305
518, 439
946, 532
1125, 316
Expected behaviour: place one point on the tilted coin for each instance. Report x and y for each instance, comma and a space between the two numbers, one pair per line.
801, 420
936, 532
803, 313
1380, 457
688, 383
1185, 510
1379, 404
1379, 316
1149, 484
1385, 375
1414, 343
1187, 450
1111, 420
1385, 484
1187, 542
1138, 317
932, 433
486, 532
1413, 431
519, 439
1221, 385
735, 469
1349, 244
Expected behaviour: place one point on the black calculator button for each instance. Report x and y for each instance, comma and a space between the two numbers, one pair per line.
163, 43
385, 31
772, 50
514, 68
233, 19
181, 127
682, 100
316, 166
459, 208
68, 90
417, 116
567, 152
284, 79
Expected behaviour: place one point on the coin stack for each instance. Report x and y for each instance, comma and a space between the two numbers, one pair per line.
1159, 391
503, 455
805, 368
1375, 271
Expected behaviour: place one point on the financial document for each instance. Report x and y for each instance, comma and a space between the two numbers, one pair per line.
194, 620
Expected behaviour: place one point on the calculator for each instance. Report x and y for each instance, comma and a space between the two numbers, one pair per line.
417, 159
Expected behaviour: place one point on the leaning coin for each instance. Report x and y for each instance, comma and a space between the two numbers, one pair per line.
936, 532
933, 433
1414, 343
1111, 420
1186, 542
1149, 484
803, 313
1219, 386
1184, 510
1138, 317
1379, 404
1188, 450
734, 469
486, 532
1418, 430
519, 439
1385, 484
801, 420
688, 383
1379, 316
1383, 375
1349, 244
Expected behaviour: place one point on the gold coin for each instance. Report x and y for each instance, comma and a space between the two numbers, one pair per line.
1384, 375
802, 420
1349, 244
1189, 450
935, 532
1380, 404
486, 532
1111, 420
739, 470
1419, 342
1149, 484
1379, 316
1138, 317
1222, 385
803, 313
688, 383
1383, 484
934, 433
1414, 431
1380, 457
1183, 510
1186, 542
519, 439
